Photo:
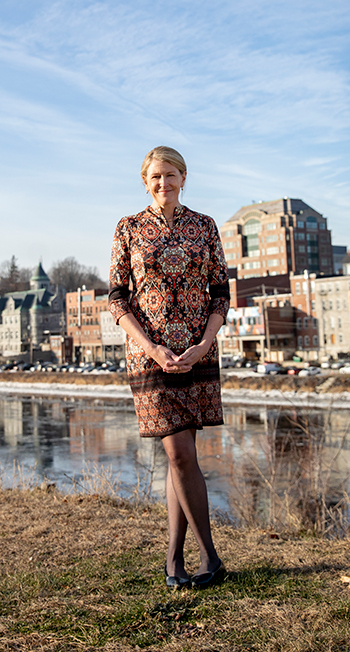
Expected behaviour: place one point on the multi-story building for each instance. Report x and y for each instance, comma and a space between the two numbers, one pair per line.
339, 251
84, 308
303, 289
332, 304
27, 318
277, 237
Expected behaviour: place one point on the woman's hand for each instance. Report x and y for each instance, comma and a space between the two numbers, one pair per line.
192, 355
168, 361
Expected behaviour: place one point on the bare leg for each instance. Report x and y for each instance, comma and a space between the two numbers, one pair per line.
191, 492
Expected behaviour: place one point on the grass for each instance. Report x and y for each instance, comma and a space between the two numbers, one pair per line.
83, 573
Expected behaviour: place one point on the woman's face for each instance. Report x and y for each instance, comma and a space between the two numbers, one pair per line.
164, 181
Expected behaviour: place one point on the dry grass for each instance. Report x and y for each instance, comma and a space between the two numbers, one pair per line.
85, 573
264, 383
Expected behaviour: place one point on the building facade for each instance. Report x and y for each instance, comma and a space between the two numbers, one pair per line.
83, 317
277, 237
28, 318
332, 303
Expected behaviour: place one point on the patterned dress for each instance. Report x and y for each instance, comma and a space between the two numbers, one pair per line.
171, 280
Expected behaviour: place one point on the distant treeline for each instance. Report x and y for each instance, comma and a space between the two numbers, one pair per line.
68, 273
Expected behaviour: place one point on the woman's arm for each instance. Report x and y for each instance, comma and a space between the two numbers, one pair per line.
198, 351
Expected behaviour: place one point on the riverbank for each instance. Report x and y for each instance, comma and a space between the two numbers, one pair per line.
84, 573
321, 392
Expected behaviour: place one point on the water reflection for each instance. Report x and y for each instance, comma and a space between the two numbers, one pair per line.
258, 448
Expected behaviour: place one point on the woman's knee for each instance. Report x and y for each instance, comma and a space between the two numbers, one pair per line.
180, 449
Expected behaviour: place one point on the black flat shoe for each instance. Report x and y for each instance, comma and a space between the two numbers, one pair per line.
203, 580
176, 583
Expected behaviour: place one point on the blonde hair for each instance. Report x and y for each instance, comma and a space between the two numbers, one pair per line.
166, 154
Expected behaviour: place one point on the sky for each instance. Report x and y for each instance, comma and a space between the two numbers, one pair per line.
254, 94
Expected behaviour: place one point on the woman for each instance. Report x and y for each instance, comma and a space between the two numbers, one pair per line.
164, 261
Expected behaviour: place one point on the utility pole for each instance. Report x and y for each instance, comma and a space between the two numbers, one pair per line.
266, 322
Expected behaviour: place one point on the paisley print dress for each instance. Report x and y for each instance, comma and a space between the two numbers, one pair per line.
171, 280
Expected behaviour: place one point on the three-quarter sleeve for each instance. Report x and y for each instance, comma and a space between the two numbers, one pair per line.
219, 288
119, 279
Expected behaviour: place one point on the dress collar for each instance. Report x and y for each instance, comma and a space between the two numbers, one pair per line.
158, 211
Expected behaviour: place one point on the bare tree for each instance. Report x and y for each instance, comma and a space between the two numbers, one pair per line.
12, 277
71, 275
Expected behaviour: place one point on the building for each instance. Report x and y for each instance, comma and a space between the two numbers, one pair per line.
332, 304
303, 293
27, 318
260, 323
339, 251
112, 337
277, 237
84, 309
346, 264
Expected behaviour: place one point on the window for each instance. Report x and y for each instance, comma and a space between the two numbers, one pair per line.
314, 322
300, 224
229, 245
313, 304
338, 305
271, 226
300, 236
306, 340
300, 307
297, 288
322, 226
253, 253
332, 322
230, 256
227, 234
272, 238
301, 249
251, 227
273, 262
281, 250
299, 323
304, 287
300, 341
306, 323
312, 284
330, 305
311, 222
315, 340
324, 262
255, 264
323, 305
272, 250
339, 322
337, 287
340, 338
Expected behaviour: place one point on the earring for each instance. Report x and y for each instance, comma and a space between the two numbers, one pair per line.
181, 193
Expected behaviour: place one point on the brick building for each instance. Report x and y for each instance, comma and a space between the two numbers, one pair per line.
303, 288
84, 309
277, 237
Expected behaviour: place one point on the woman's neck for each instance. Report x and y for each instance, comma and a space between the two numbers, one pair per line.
167, 210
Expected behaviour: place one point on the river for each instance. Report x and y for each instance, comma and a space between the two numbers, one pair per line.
260, 452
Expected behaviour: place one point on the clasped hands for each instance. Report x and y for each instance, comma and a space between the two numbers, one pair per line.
172, 363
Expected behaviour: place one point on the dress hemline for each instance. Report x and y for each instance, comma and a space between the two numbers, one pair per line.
188, 426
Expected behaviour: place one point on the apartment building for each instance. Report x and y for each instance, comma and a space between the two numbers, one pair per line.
332, 305
277, 237
84, 309
303, 293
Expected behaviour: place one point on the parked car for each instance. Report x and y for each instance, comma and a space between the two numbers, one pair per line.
227, 361
271, 368
293, 371
310, 371
345, 369
337, 365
